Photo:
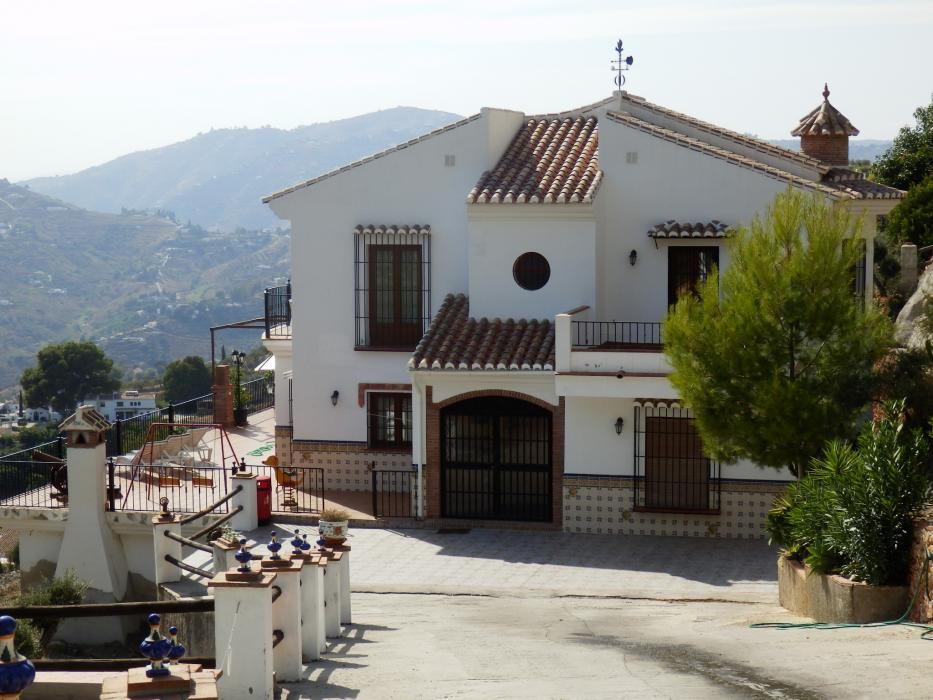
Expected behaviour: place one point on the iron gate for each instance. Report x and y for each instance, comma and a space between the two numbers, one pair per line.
496, 459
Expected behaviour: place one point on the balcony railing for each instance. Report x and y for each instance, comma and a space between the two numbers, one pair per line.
278, 302
615, 335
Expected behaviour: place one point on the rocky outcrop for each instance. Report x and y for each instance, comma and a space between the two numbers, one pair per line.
910, 331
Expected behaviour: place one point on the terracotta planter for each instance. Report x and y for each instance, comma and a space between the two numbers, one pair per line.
334, 532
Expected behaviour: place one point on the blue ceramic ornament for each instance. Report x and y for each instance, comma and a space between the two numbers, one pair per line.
296, 544
243, 557
155, 647
274, 545
16, 671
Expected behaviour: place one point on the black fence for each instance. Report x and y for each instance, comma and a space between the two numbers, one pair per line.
672, 472
188, 488
395, 493
260, 395
278, 303
294, 489
35, 477
129, 434
615, 334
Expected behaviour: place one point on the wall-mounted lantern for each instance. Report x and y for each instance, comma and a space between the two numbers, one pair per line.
633, 257
619, 423
334, 397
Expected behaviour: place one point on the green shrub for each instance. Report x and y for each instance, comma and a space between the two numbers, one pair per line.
28, 640
63, 590
853, 511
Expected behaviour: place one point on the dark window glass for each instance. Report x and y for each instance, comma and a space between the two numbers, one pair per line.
687, 267
395, 295
390, 420
531, 271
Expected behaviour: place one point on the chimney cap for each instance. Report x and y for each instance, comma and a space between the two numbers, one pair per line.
825, 120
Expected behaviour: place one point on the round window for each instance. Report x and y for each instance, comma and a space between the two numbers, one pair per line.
531, 271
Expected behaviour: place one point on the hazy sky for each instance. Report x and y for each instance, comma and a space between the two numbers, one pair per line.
84, 82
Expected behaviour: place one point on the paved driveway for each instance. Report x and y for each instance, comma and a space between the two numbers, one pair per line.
510, 562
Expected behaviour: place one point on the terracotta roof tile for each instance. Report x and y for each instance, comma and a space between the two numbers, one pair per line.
416, 229
722, 132
548, 161
676, 229
856, 183
454, 341
824, 120
729, 156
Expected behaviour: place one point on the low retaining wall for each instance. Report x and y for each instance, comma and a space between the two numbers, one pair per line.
835, 598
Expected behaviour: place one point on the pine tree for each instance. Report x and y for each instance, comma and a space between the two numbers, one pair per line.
776, 356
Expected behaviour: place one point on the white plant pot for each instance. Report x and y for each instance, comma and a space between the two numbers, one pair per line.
334, 532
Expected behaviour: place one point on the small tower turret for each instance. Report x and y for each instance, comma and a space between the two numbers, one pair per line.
824, 133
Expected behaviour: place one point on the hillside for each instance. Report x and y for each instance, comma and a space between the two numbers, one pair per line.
142, 286
859, 149
217, 179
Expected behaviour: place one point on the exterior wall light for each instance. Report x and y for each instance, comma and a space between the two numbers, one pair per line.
334, 397
619, 423
633, 257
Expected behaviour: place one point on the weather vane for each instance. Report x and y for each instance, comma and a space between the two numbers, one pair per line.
620, 65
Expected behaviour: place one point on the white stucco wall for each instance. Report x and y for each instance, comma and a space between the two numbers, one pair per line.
591, 445
405, 187
668, 181
500, 233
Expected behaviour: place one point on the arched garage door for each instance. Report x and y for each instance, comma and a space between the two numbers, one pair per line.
496, 460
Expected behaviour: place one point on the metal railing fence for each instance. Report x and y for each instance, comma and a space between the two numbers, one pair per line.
595, 334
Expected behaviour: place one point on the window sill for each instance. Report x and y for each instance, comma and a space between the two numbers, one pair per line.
400, 449
677, 511
385, 348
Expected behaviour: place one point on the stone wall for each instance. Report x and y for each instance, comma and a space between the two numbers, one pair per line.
921, 567
605, 505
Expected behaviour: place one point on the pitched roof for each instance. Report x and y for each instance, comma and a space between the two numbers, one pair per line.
367, 159
857, 184
675, 229
549, 161
743, 139
824, 120
729, 156
454, 341
85, 418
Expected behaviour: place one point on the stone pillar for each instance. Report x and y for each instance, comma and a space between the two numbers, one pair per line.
223, 396
89, 546
908, 281
332, 594
344, 566
162, 545
286, 616
243, 634
313, 641
247, 519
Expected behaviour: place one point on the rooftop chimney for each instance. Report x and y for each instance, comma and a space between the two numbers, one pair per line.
824, 133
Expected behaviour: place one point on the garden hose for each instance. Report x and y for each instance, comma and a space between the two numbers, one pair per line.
902, 620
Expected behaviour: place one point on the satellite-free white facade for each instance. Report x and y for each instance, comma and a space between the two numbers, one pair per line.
482, 306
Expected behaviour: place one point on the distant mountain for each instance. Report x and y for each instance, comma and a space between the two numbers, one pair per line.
217, 179
859, 149
145, 288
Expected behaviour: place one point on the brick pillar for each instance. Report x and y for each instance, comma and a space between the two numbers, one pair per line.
223, 396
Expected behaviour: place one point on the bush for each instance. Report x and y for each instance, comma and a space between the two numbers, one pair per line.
853, 511
63, 590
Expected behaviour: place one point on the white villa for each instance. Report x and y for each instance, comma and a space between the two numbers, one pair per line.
122, 405
482, 307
